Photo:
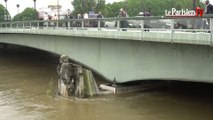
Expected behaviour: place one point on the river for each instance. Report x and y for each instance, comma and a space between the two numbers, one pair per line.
24, 81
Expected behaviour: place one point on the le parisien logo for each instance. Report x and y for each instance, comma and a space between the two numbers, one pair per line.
184, 12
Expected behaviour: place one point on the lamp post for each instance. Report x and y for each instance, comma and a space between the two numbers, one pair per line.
91, 6
5, 4
17, 8
58, 9
34, 4
194, 4
6, 13
91, 2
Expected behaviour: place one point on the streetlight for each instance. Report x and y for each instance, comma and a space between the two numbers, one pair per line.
6, 10
34, 4
5, 3
17, 8
92, 3
58, 9
194, 4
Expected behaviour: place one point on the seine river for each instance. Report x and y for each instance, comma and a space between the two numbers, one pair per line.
24, 78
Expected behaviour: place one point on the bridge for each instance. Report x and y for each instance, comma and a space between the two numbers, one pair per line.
140, 53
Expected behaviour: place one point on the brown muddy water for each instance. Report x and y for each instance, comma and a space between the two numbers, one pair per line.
24, 81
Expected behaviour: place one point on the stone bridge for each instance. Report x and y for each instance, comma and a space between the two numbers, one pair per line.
135, 54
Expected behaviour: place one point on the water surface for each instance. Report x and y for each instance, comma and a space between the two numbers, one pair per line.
24, 77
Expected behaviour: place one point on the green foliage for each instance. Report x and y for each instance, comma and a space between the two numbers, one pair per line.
112, 10
17, 17
3, 13
27, 14
84, 6
132, 7
100, 6
157, 7
78, 7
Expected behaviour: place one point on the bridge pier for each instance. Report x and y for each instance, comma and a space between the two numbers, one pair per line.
75, 80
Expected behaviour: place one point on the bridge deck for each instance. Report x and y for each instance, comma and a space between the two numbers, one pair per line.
201, 38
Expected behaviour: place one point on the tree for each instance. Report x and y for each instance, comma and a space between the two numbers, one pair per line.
3, 13
17, 17
100, 6
112, 10
157, 7
79, 6
132, 7
27, 14
82, 6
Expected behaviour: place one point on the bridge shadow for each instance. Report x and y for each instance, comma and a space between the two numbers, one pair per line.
178, 89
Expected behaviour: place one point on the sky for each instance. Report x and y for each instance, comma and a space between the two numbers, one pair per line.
11, 4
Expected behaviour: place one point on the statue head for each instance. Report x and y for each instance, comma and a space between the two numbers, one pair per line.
64, 59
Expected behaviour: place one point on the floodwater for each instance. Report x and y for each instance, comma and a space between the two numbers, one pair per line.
24, 82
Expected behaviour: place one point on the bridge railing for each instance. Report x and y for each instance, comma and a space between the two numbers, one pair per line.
168, 29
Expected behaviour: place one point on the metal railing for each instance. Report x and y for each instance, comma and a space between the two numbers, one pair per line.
139, 26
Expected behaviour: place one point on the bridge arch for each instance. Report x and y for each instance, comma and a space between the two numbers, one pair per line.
126, 60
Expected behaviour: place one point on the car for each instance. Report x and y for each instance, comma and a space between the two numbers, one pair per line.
93, 23
188, 24
148, 24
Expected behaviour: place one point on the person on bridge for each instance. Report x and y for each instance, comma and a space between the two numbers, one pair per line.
147, 12
100, 15
123, 23
208, 10
198, 23
101, 22
78, 23
208, 7
66, 17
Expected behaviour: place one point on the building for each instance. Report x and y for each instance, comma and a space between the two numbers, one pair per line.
53, 9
